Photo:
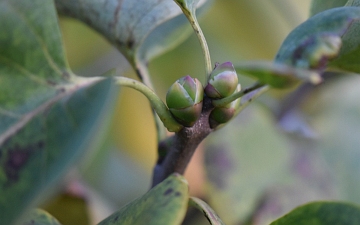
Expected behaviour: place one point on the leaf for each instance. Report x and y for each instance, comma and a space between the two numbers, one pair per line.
168, 35
39, 217
239, 167
47, 116
322, 213
33, 68
127, 24
318, 6
309, 179
353, 3
277, 75
336, 117
316, 41
38, 154
165, 204
209, 213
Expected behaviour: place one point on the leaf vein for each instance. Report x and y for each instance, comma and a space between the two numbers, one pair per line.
24, 71
39, 39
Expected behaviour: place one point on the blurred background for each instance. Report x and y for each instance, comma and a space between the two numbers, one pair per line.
267, 166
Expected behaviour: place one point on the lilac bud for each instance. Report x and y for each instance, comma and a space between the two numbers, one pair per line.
222, 82
184, 99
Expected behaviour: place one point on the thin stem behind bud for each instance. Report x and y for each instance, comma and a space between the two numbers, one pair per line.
189, 7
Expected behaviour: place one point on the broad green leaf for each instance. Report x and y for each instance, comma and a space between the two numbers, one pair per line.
240, 167
322, 5
47, 116
127, 24
208, 212
322, 213
38, 154
32, 64
277, 75
317, 41
165, 204
39, 217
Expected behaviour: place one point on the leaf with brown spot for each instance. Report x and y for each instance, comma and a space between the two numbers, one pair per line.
48, 115
165, 204
341, 22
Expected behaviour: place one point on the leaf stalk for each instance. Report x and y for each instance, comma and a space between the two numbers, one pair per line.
156, 103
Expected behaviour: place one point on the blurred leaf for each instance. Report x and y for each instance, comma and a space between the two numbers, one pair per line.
46, 114
165, 204
39, 217
208, 212
309, 179
127, 24
353, 3
335, 114
169, 34
69, 209
240, 167
322, 213
316, 39
276, 75
322, 5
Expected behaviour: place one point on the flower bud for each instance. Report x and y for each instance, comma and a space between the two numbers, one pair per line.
220, 115
222, 82
184, 99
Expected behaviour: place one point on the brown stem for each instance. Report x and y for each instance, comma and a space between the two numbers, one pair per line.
179, 148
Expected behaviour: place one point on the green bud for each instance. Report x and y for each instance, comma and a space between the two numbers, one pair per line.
223, 114
184, 99
222, 81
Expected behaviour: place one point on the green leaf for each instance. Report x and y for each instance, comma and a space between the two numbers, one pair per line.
322, 5
165, 204
168, 35
277, 75
39, 217
209, 213
322, 213
32, 63
47, 116
37, 155
315, 41
239, 167
127, 24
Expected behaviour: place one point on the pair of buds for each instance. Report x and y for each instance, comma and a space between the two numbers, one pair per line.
185, 97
